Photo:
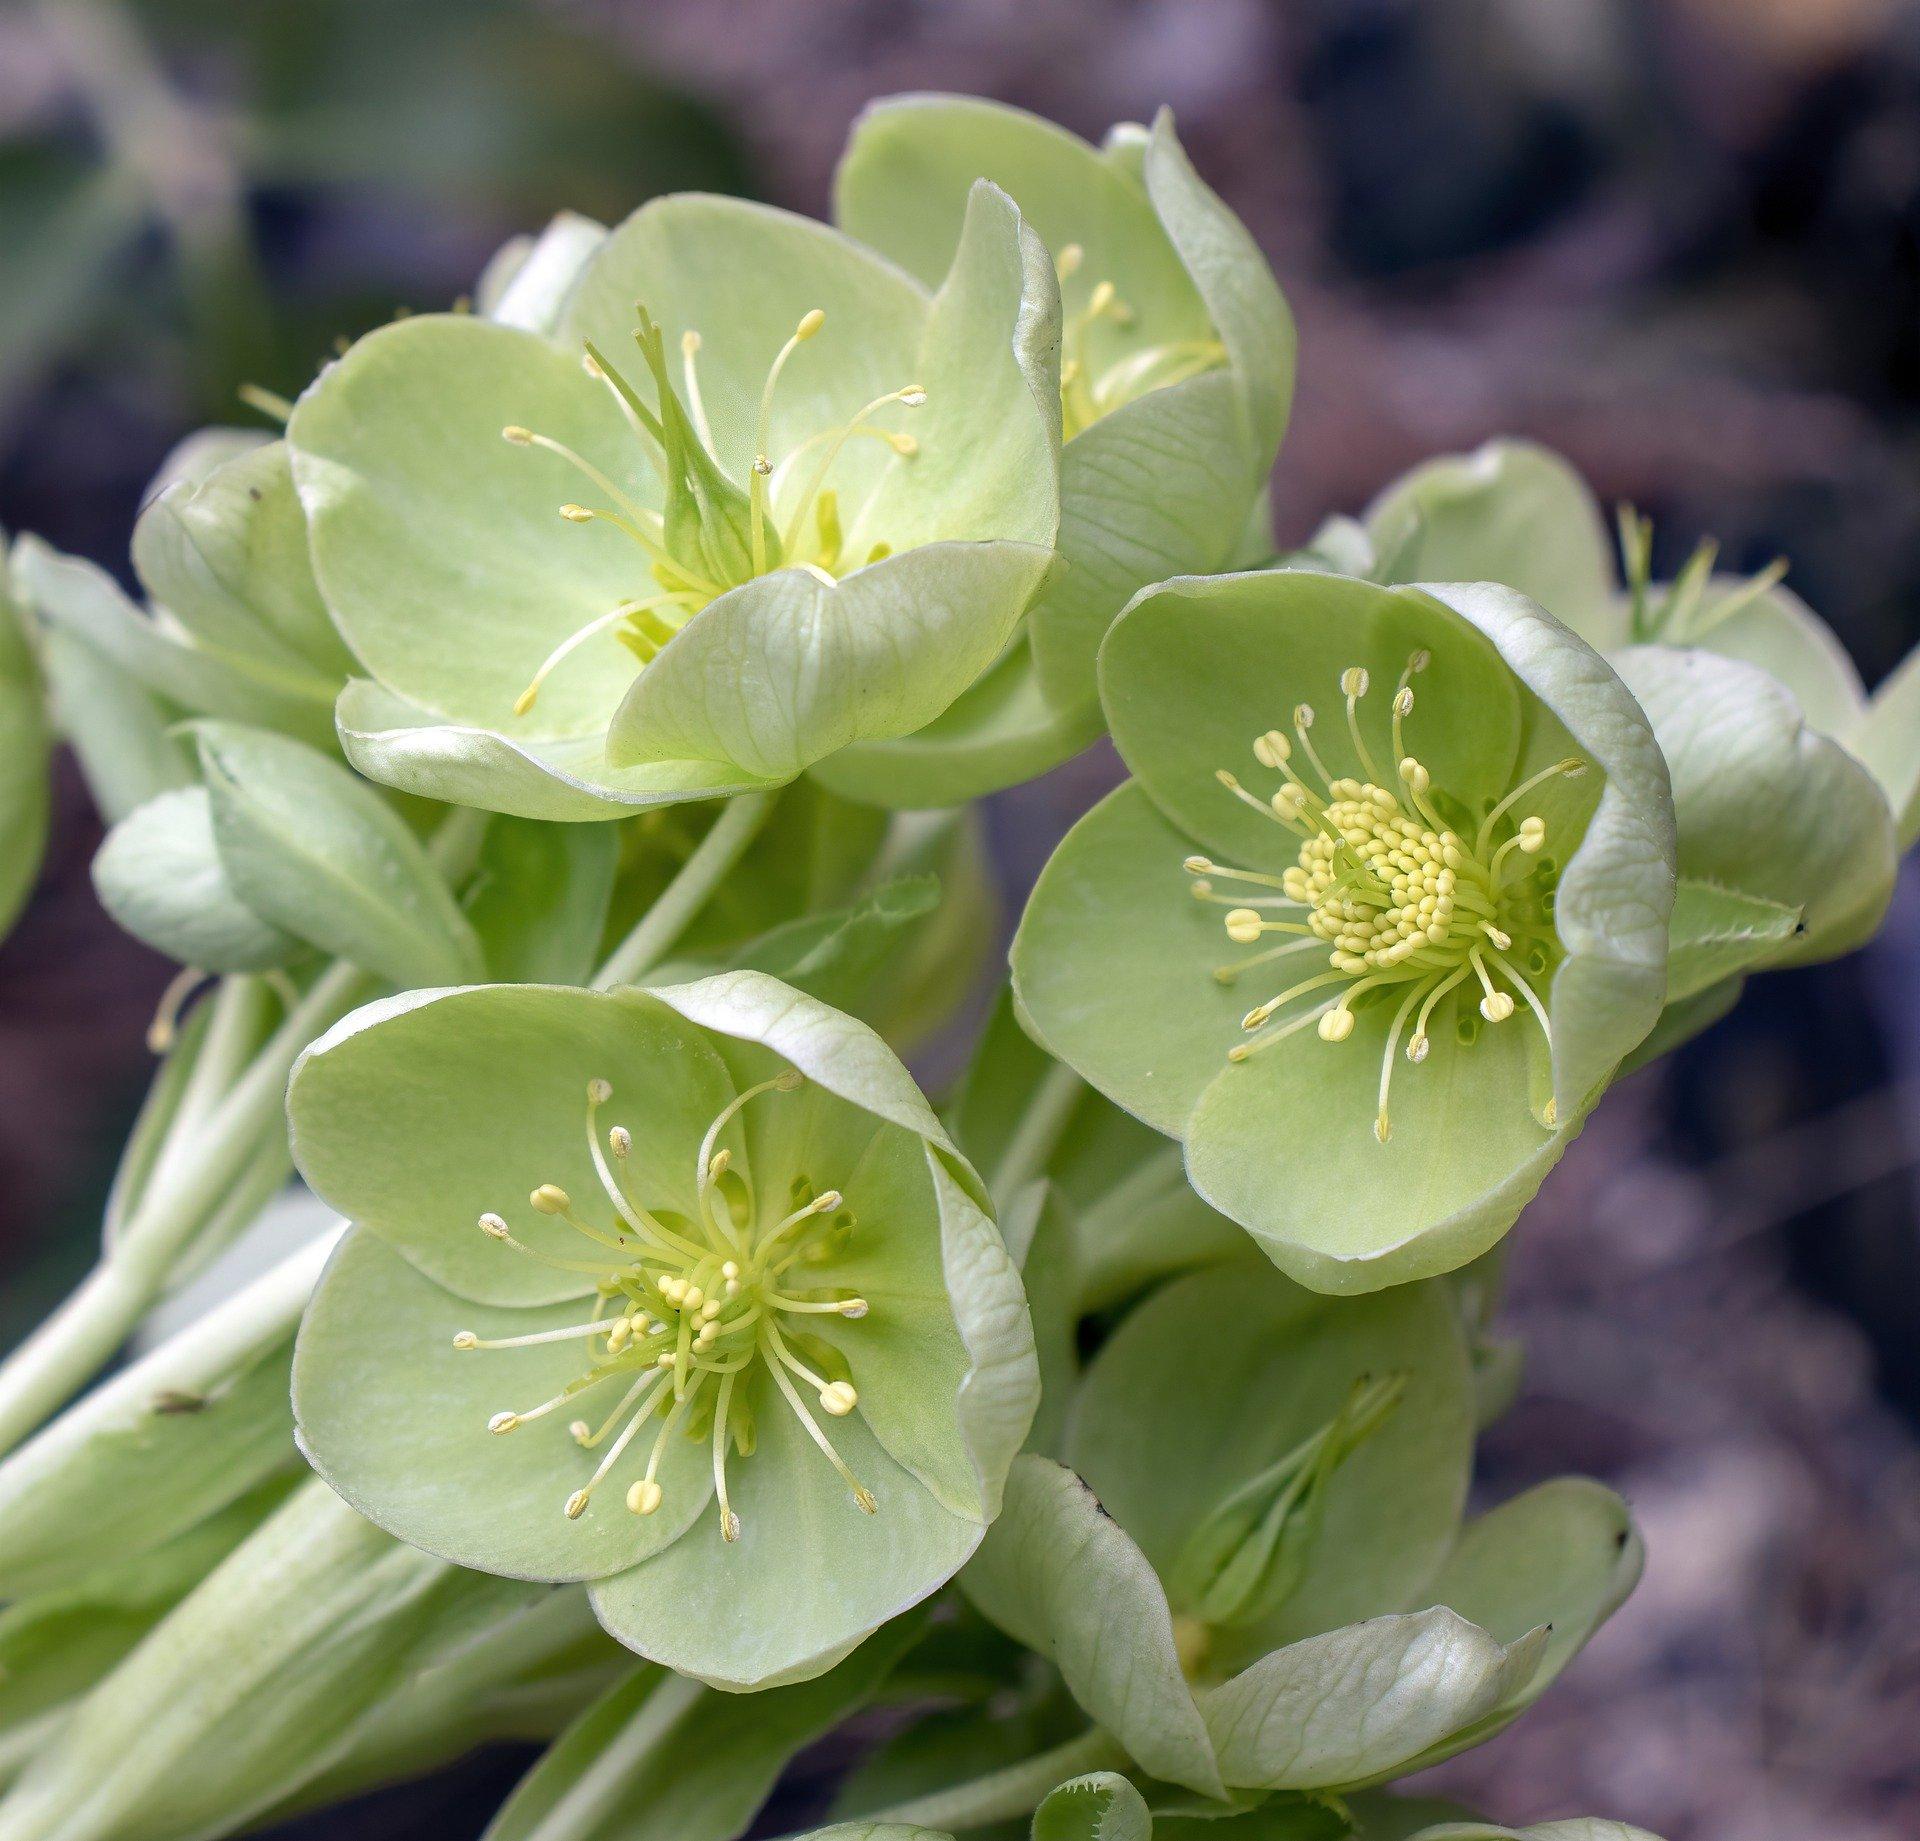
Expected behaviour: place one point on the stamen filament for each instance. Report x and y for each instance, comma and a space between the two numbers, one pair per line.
1572, 767
861, 1494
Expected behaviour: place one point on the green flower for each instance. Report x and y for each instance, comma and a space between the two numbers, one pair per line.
1176, 377
683, 1293
1263, 1582
1793, 791
755, 496
1452, 895
24, 741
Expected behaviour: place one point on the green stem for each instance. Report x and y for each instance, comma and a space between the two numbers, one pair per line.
1041, 1128
654, 935
81, 1336
1005, 1795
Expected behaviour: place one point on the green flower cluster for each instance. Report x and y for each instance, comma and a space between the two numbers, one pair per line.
547, 761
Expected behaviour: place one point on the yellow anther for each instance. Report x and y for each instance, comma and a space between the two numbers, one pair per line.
826, 1201
1383, 1128
465, 1339
1354, 681
810, 322
577, 1504
718, 1164
550, 1199
854, 1308
1496, 1007
620, 1141
1303, 715
1272, 749
1100, 299
1243, 926
493, 1225
839, 1399
689, 343
576, 514
599, 1092
1197, 866
1403, 702
579, 1431
1417, 778
1417, 1049
1533, 833
503, 1422
520, 437
644, 1497
914, 396
1336, 1025
1067, 263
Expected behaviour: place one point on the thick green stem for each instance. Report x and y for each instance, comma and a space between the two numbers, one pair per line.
1005, 1795
654, 935
73, 1344
1041, 1128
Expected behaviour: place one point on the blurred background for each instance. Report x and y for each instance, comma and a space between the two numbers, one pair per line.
1677, 239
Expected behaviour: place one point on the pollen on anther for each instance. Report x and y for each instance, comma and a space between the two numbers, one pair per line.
465, 1339
620, 1141
1354, 681
503, 1422
520, 437
599, 1091
493, 1225
577, 1504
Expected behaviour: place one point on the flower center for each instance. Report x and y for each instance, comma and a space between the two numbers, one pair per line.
685, 1310
1090, 390
713, 534
1407, 904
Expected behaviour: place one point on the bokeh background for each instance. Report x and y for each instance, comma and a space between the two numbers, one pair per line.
1677, 239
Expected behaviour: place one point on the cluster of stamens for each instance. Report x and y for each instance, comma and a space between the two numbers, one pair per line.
1089, 391
686, 1309
1401, 900
713, 534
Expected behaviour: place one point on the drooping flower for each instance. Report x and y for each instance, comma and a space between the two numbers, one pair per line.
752, 496
1259, 1580
1452, 893
1793, 791
683, 1293
1176, 376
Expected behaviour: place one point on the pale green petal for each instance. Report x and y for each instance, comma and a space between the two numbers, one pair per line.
82, 599
1765, 803
159, 874
1063, 1578
810, 1577
1358, 1704
1000, 732
786, 670
1284, 1143
903, 184
1241, 296
989, 433
527, 282
227, 556
24, 742
418, 1113
1157, 489
395, 1418
1195, 669
1509, 512
741, 275
121, 736
566, 781
1780, 633
1224, 1372
438, 545
1114, 963
1886, 738
1615, 893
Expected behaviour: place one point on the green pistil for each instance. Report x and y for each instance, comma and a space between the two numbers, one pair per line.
711, 535
1401, 904
682, 1311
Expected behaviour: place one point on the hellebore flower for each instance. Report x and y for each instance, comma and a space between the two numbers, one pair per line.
1263, 1583
1793, 791
1454, 889
1176, 377
684, 1293
755, 495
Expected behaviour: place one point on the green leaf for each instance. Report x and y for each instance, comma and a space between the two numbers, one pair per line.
538, 900
1766, 804
1100, 1807
160, 874
317, 852
660, 1759
1717, 933
1886, 738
